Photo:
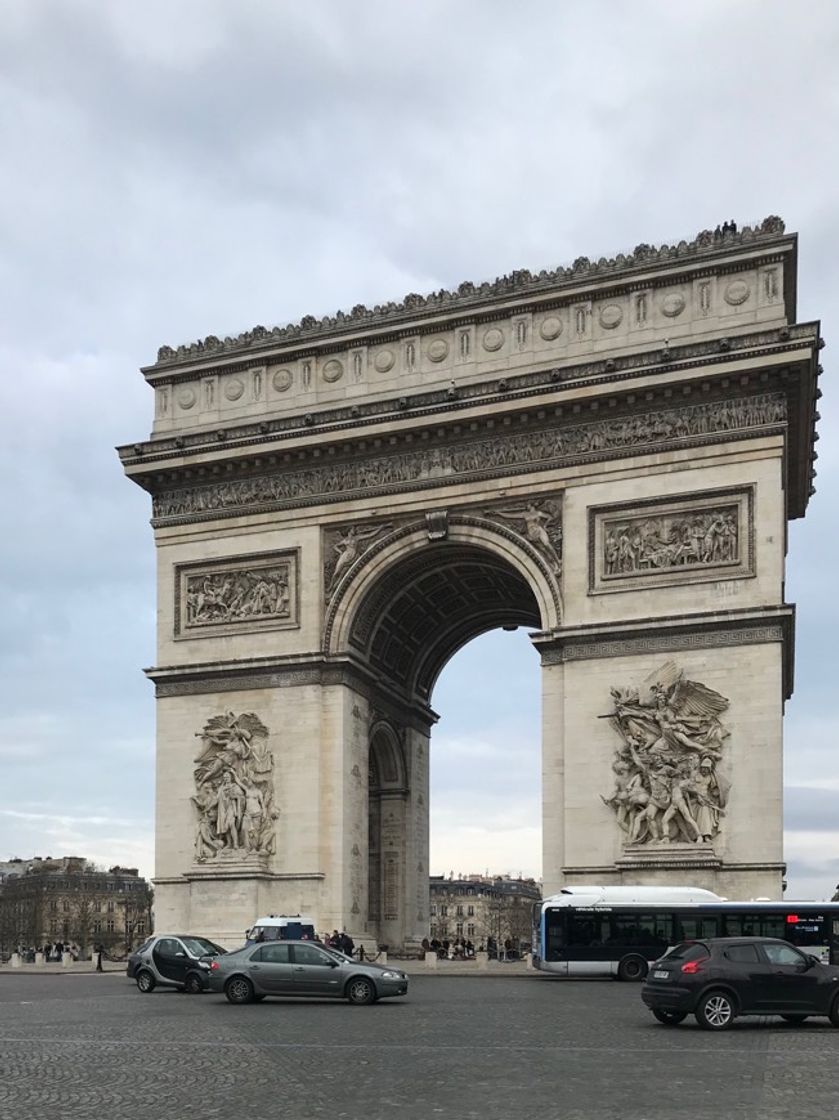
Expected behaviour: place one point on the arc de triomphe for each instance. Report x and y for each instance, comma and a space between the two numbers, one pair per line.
605, 454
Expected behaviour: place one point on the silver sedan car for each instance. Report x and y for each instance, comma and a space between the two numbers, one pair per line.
301, 968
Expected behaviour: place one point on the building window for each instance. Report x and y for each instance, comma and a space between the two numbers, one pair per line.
53, 905
444, 929
141, 929
65, 906
460, 911
433, 930
111, 906
433, 909
470, 930
97, 926
459, 929
53, 927
110, 925
444, 910
470, 911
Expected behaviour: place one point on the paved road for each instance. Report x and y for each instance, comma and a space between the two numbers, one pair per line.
82, 1047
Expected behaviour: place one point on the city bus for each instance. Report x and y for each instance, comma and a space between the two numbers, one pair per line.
617, 931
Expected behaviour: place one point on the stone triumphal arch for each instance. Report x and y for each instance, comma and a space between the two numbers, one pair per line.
606, 454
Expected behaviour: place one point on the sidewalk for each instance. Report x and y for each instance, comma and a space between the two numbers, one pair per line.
54, 969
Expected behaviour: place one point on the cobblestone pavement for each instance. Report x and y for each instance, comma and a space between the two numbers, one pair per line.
80, 1046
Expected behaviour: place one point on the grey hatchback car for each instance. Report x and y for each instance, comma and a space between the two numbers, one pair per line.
301, 968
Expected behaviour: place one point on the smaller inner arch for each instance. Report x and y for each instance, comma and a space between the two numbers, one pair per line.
433, 602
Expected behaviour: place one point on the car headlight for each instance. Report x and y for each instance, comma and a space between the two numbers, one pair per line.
388, 975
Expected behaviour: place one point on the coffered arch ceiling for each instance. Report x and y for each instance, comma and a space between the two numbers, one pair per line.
426, 606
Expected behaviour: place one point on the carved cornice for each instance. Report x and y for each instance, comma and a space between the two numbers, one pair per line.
609, 869
675, 634
209, 678
699, 355
468, 296
478, 458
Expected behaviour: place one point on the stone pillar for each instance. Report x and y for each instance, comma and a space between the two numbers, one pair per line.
39, 958
16, 961
713, 731
66, 959
431, 960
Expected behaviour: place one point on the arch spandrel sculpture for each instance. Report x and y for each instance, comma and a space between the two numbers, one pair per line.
605, 455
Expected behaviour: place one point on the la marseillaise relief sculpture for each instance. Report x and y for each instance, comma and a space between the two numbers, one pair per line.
606, 454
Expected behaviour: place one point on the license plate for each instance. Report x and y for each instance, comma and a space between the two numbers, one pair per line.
660, 974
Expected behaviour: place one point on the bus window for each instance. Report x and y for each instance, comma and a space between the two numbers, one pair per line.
650, 930
587, 929
694, 928
773, 925
742, 925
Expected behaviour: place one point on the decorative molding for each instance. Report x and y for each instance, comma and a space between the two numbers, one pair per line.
461, 517
211, 678
258, 591
674, 539
517, 453
602, 371
671, 635
521, 282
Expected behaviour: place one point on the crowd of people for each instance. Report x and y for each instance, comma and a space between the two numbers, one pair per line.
463, 950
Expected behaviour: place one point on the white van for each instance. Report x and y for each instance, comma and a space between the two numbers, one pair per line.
282, 927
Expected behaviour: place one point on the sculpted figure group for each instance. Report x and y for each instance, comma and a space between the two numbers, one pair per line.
234, 784
658, 543
216, 597
668, 784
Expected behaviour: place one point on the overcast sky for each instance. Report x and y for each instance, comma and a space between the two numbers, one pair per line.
171, 169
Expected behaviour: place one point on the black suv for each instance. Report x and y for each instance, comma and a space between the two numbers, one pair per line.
723, 977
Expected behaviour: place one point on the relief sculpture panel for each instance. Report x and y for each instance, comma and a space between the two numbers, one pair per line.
243, 593
669, 767
234, 791
696, 538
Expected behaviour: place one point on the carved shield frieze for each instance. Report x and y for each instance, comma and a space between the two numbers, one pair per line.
689, 539
257, 592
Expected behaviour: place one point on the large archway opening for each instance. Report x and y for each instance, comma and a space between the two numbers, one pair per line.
485, 781
414, 618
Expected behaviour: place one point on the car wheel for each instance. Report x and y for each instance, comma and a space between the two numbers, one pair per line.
715, 1011
632, 969
833, 1014
793, 1018
669, 1018
145, 981
239, 989
361, 990
193, 984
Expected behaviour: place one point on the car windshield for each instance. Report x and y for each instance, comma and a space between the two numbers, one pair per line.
686, 951
201, 947
337, 954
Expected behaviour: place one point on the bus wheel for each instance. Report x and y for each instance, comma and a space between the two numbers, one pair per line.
632, 968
